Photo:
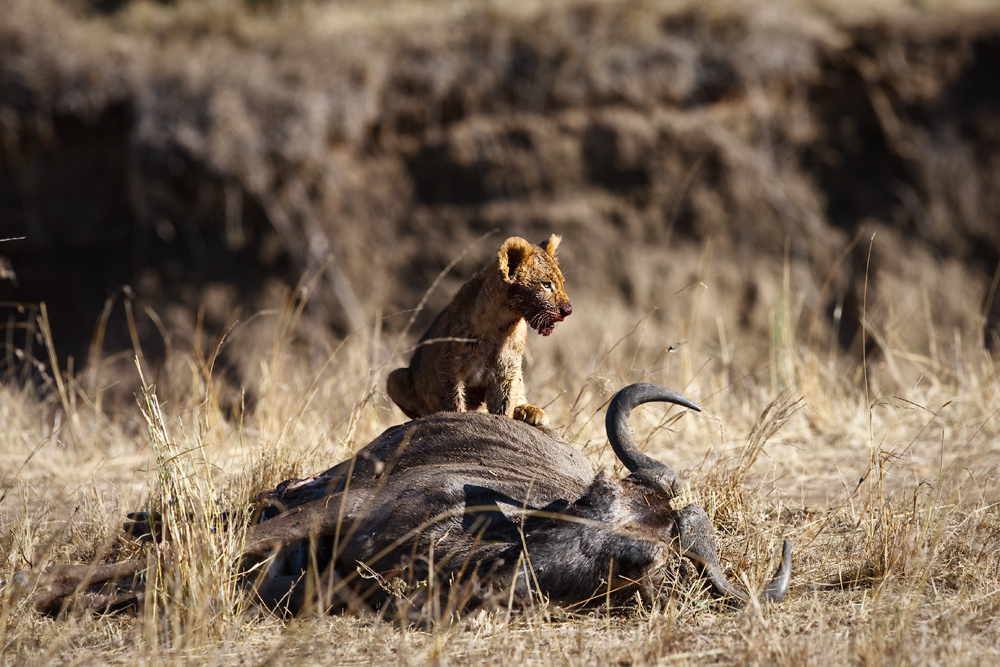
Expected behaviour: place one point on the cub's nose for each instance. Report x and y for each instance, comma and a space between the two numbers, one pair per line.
566, 310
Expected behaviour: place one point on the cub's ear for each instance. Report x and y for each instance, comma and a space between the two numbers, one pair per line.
551, 245
512, 254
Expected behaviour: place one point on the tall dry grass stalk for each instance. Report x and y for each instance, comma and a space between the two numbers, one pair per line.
192, 594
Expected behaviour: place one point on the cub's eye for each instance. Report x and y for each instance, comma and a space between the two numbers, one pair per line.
547, 286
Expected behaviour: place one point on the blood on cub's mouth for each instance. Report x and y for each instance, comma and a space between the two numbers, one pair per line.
545, 323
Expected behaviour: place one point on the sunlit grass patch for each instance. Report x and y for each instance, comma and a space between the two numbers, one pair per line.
889, 506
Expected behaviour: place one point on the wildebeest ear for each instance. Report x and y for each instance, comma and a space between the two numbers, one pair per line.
512, 254
552, 244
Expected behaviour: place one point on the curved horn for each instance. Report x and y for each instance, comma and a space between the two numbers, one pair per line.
642, 467
778, 586
697, 543
736, 596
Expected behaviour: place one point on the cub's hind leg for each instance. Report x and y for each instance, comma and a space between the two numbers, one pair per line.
399, 386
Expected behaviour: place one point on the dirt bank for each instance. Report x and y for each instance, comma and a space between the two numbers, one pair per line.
207, 154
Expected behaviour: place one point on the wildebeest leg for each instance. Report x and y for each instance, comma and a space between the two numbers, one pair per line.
332, 515
282, 555
62, 587
149, 526
697, 543
293, 594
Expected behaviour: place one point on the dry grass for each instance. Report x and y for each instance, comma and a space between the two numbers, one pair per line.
887, 495
881, 470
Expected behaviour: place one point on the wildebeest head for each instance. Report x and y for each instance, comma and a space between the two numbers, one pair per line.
457, 510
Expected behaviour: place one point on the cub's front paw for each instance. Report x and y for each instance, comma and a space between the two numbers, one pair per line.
531, 414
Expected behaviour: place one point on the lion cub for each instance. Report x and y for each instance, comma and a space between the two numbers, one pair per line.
472, 352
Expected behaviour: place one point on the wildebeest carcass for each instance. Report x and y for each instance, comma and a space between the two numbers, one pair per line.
458, 510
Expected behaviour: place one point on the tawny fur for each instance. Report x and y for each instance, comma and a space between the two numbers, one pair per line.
472, 353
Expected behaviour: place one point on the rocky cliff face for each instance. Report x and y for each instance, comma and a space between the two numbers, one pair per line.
206, 154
